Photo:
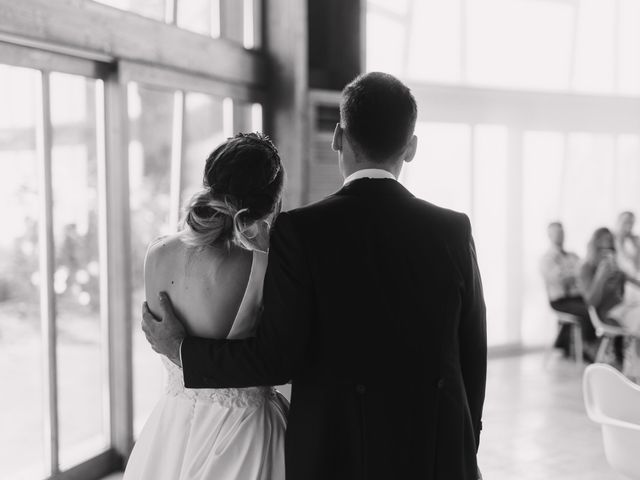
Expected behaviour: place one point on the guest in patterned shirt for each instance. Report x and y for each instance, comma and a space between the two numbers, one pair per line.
560, 271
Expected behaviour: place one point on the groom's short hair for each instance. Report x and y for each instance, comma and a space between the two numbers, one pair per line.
378, 114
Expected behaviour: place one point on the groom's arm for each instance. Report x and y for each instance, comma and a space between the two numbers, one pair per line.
473, 334
280, 344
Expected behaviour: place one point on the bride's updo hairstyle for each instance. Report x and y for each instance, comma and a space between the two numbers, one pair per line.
243, 182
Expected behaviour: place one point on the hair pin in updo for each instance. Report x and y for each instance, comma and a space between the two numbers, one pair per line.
266, 140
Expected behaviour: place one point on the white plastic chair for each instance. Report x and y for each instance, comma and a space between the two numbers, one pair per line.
613, 401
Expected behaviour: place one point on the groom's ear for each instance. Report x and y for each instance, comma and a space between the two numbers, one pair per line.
336, 143
410, 151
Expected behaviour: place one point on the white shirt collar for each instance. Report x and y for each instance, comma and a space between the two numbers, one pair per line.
369, 173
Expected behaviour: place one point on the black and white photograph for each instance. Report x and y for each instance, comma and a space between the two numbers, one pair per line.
320, 239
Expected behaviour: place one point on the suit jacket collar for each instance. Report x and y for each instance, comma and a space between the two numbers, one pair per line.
374, 186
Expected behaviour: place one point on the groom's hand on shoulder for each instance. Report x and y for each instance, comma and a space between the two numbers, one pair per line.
165, 334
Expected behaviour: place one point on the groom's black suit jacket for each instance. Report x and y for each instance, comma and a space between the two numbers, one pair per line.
373, 309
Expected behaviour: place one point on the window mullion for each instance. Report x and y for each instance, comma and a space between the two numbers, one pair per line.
171, 12
176, 157
47, 268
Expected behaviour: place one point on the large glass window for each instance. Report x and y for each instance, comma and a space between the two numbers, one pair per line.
543, 194
490, 222
151, 116
441, 170
235, 20
204, 130
587, 45
171, 135
81, 379
49, 124
583, 180
465, 169
527, 150
21, 369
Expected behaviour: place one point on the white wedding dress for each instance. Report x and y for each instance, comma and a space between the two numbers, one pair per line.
215, 434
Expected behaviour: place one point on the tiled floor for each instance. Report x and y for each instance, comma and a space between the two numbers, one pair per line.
535, 426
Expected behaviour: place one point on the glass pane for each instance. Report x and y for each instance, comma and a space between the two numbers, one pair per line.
150, 130
434, 41
490, 226
21, 369
203, 132
440, 172
544, 167
583, 44
251, 29
256, 117
627, 175
247, 117
505, 46
595, 49
200, 16
629, 45
149, 8
588, 186
385, 43
81, 372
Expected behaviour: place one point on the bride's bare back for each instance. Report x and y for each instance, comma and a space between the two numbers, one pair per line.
206, 285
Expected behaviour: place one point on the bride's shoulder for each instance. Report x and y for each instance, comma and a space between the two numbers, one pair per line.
161, 247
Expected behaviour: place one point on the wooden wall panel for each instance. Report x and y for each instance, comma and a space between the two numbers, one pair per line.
286, 112
93, 27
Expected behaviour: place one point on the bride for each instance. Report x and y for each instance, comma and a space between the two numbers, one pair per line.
213, 270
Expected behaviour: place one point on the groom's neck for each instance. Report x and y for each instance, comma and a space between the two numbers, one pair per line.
391, 167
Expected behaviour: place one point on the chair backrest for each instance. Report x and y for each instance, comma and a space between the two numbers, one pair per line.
609, 394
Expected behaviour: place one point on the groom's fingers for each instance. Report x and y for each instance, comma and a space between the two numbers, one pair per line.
147, 316
166, 306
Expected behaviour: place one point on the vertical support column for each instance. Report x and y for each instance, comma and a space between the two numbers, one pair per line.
464, 15
176, 158
616, 203
47, 269
362, 25
472, 175
117, 238
171, 11
286, 119
102, 249
515, 269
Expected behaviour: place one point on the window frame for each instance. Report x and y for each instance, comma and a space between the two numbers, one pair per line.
46, 63
112, 77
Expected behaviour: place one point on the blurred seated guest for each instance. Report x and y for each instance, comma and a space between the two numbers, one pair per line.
602, 283
627, 244
560, 270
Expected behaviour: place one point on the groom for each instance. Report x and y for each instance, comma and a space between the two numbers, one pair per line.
373, 309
